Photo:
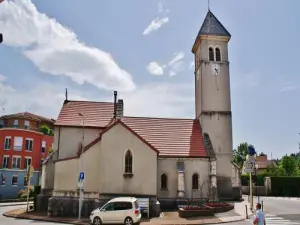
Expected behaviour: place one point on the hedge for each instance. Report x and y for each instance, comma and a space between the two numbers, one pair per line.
258, 179
285, 186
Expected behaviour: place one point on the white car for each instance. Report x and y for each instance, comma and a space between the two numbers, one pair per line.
123, 210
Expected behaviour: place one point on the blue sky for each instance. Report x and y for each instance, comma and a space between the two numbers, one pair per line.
143, 50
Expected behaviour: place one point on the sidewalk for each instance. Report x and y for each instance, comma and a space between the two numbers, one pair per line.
238, 214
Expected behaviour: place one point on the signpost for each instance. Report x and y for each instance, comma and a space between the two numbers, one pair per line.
80, 186
29, 175
250, 167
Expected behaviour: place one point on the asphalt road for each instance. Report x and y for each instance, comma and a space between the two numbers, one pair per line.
11, 221
281, 211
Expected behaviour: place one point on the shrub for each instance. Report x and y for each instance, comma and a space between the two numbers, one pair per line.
285, 186
258, 179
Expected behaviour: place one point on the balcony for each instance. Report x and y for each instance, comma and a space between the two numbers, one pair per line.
43, 129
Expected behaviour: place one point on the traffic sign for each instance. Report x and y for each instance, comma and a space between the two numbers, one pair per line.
251, 159
249, 167
81, 176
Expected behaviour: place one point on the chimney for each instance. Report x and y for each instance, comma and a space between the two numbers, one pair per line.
115, 104
120, 109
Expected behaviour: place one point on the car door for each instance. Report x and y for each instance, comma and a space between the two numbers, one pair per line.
107, 213
121, 211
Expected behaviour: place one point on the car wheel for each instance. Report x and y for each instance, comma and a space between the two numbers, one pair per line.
128, 221
97, 221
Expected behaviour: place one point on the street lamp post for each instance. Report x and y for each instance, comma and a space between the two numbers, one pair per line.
81, 168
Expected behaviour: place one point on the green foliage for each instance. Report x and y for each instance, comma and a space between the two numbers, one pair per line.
46, 130
289, 165
240, 153
285, 186
258, 179
262, 154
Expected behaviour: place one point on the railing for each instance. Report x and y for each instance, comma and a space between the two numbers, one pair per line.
46, 131
20, 127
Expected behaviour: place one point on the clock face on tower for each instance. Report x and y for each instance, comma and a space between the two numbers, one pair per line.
215, 69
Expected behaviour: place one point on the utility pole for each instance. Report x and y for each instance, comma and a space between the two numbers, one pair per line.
1, 38
81, 173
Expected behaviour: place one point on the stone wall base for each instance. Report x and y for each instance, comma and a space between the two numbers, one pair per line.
68, 206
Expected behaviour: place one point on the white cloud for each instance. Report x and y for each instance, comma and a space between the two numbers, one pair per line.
288, 88
160, 100
55, 49
44, 98
155, 69
155, 25
192, 65
176, 63
154, 100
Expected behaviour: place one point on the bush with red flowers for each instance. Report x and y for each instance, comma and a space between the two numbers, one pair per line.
195, 207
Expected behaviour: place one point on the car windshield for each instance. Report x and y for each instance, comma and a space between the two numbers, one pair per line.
136, 204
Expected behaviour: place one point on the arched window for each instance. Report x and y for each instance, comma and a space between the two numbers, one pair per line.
218, 55
211, 54
164, 181
195, 181
128, 162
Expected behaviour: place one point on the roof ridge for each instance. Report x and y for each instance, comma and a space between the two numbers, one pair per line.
89, 101
164, 118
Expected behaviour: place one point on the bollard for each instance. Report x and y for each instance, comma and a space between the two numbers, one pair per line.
246, 212
262, 205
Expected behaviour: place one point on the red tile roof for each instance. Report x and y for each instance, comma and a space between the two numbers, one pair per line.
28, 115
172, 137
96, 114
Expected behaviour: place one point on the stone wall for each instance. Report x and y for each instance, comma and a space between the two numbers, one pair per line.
257, 190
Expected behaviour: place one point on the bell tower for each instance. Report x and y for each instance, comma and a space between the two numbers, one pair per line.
212, 95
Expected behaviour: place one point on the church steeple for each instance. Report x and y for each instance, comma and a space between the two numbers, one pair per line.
211, 27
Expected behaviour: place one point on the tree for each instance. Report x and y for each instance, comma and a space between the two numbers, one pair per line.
262, 154
240, 154
288, 164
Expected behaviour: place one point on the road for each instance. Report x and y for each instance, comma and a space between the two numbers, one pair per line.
281, 211
12, 221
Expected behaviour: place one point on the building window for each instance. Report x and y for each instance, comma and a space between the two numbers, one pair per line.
218, 55
5, 161
128, 162
43, 146
164, 182
1, 123
16, 123
18, 143
195, 182
29, 143
7, 143
27, 162
14, 180
211, 54
27, 124
3, 179
16, 162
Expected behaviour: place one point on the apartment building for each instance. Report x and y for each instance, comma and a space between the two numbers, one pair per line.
25, 139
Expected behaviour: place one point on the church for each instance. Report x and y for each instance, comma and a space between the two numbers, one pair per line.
162, 159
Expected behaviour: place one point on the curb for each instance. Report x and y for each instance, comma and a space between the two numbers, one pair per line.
14, 204
43, 220
86, 223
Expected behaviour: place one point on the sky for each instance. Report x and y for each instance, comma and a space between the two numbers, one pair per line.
142, 49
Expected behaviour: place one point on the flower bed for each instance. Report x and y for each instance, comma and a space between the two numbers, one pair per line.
195, 211
219, 207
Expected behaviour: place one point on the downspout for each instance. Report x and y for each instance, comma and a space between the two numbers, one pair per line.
58, 144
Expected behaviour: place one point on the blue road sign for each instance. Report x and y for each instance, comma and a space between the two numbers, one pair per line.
81, 176
251, 150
